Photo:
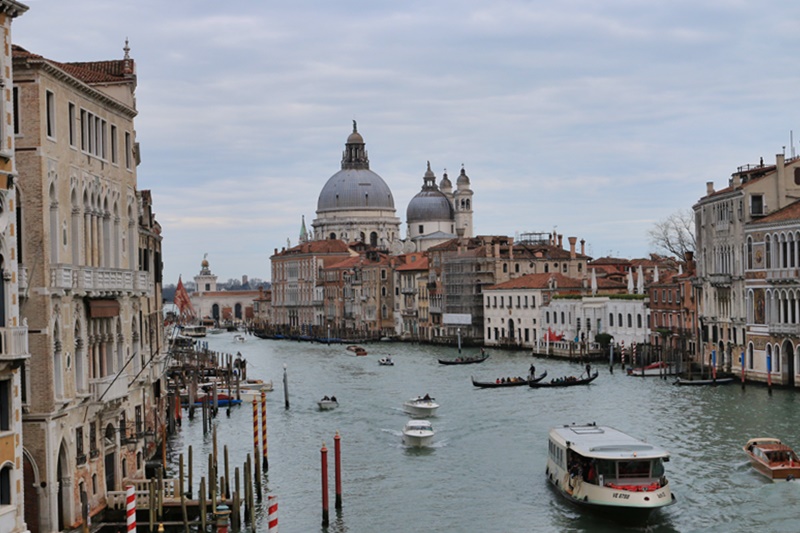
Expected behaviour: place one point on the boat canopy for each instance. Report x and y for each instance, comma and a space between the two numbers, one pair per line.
603, 442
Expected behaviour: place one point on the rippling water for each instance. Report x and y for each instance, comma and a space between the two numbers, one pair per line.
485, 471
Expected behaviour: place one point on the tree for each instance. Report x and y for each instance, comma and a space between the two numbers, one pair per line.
674, 234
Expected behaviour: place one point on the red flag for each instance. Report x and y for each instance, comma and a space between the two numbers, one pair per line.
182, 299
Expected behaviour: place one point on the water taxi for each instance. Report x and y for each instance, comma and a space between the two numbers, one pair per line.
772, 458
417, 433
607, 470
421, 406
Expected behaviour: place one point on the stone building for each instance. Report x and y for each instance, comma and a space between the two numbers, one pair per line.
752, 193
221, 306
90, 253
772, 283
14, 350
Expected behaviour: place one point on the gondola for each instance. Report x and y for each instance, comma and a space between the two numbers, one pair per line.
464, 360
564, 383
700, 382
519, 383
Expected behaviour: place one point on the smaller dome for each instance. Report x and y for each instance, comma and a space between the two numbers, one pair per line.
430, 203
355, 137
463, 179
445, 184
204, 264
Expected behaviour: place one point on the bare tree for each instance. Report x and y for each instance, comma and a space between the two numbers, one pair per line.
674, 234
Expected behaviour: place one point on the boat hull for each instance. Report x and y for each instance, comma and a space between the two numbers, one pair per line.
701, 382
761, 452
634, 506
417, 441
327, 405
654, 370
495, 385
420, 408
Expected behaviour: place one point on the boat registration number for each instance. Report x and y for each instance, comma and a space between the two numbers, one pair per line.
662, 494
621, 495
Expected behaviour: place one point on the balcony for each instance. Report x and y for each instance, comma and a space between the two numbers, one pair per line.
783, 275
14, 343
80, 459
96, 281
784, 329
116, 390
720, 280
408, 290
22, 279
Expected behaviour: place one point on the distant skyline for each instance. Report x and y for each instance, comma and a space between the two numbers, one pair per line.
591, 119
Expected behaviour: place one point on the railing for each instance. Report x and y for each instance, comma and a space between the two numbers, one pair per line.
14, 343
783, 274
720, 279
116, 498
784, 329
117, 389
70, 277
408, 290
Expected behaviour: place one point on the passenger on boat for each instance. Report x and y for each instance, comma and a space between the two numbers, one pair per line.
498, 381
427, 398
325, 398
333, 399
483, 352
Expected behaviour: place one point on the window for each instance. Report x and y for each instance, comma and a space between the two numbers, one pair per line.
50, 102
5, 485
71, 125
128, 150
421, 229
611, 320
630, 320
757, 207
79, 445
92, 438
5, 405
15, 97
93, 134
114, 143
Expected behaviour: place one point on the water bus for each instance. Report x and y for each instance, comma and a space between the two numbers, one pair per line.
606, 470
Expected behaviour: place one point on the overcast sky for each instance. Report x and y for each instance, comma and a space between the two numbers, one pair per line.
595, 119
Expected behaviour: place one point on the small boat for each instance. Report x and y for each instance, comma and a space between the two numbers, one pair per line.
386, 361
239, 338
417, 433
358, 350
421, 406
698, 382
464, 360
513, 382
570, 381
604, 469
326, 404
194, 332
660, 368
221, 402
215, 331
772, 458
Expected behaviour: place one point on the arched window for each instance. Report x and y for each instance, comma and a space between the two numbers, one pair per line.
749, 253
373, 238
5, 484
611, 320
619, 319
768, 251
638, 321
630, 320
332, 236
769, 364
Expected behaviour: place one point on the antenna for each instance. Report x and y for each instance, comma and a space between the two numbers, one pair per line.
791, 143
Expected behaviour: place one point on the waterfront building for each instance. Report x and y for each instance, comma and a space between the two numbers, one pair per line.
772, 282
752, 193
673, 311
411, 298
461, 268
297, 286
221, 306
262, 308
356, 204
90, 251
14, 351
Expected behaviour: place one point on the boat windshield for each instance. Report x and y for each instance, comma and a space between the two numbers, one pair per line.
645, 468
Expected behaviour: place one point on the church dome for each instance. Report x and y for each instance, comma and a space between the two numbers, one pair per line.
430, 203
355, 189
355, 186
463, 179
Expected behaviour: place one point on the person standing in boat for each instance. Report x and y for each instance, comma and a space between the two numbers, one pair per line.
588, 370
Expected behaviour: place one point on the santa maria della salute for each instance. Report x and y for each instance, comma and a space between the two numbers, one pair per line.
357, 206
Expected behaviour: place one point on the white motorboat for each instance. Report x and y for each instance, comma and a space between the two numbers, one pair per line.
421, 406
605, 469
194, 332
239, 338
326, 404
654, 369
417, 433
386, 361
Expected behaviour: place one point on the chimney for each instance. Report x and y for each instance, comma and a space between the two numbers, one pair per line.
572, 241
583, 246
497, 249
276, 252
560, 241
737, 181
709, 188
511, 247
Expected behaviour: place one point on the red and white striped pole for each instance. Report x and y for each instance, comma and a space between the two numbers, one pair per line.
255, 427
633, 354
622, 353
272, 514
130, 508
264, 459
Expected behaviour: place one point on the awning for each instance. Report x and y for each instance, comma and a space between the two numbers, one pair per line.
103, 308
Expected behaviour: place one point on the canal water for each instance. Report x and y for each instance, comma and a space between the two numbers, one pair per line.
485, 471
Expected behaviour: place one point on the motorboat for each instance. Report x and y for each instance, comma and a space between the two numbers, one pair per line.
772, 458
603, 469
326, 404
386, 361
656, 369
701, 382
194, 332
239, 338
417, 433
358, 350
421, 406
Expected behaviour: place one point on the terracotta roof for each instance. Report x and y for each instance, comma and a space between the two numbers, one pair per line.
785, 214
112, 71
414, 262
328, 246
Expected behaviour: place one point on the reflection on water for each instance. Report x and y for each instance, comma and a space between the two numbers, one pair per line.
485, 469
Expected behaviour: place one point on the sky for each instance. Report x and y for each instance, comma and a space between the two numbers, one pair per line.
591, 119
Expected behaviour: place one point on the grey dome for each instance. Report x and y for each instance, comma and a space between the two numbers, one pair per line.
463, 179
355, 188
430, 203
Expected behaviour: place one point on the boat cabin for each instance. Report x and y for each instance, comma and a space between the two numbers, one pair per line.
607, 457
